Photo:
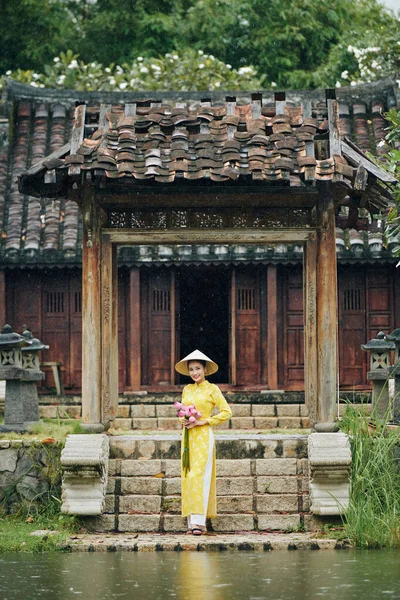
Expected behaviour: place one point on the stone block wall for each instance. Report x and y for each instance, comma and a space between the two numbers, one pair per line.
29, 474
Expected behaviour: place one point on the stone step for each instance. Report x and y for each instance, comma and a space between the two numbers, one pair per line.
228, 523
244, 416
151, 416
229, 445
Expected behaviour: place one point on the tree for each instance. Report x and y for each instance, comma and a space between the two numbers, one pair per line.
32, 32
296, 43
301, 43
392, 164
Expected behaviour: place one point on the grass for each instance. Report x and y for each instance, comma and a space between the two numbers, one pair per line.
373, 516
47, 428
16, 531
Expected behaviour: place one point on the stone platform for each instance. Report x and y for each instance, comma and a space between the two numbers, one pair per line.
262, 484
153, 542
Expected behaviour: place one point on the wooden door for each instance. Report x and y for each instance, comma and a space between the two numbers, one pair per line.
379, 283
23, 302
291, 343
352, 327
156, 321
246, 321
55, 322
75, 321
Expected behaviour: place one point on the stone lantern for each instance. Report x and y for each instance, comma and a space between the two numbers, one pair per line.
379, 373
20, 371
31, 363
395, 371
30, 354
11, 344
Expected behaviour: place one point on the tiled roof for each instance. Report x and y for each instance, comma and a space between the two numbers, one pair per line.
177, 138
221, 143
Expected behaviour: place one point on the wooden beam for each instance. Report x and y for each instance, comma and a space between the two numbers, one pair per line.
3, 316
78, 129
263, 324
109, 332
272, 331
207, 236
326, 308
356, 157
310, 328
91, 315
103, 121
134, 328
161, 198
333, 120
39, 166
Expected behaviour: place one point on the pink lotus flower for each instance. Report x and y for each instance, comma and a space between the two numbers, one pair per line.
181, 413
192, 419
178, 405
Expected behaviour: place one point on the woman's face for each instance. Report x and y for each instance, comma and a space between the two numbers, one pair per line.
196, 371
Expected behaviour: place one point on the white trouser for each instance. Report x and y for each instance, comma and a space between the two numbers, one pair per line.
201, 519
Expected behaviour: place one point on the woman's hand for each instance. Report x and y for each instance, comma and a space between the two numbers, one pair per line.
188, 425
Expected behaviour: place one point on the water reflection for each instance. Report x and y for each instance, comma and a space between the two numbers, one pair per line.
275, 575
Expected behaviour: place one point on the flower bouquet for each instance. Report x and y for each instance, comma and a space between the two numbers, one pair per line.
191, 414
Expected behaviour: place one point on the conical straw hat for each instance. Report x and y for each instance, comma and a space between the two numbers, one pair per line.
182, 365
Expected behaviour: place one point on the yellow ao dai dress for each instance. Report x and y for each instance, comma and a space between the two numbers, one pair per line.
204, 396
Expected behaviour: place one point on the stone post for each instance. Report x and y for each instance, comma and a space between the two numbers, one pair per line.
395, 372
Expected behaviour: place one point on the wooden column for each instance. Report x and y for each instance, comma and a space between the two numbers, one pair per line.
272, 331
2, 299
310, 327
326, 308
109, 330
91, 315
134, 349
173, 326
233, 327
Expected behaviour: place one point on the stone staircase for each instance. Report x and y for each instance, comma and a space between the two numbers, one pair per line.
262, 484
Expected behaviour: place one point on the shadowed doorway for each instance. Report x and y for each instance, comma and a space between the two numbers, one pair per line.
204, 316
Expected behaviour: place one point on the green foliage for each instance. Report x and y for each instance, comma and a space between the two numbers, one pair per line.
301, 43
182, 71
373, 515
392, 164
32, 32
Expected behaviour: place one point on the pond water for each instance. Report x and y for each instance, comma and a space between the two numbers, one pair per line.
272, 575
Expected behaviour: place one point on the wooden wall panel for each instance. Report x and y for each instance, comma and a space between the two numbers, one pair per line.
122, 331
24, 301
352, 327
156, 342
75, 320
56, 323
247, 309
379, 283
134, 328
291, 355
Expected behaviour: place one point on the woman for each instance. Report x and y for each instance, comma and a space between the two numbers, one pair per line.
199, 482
